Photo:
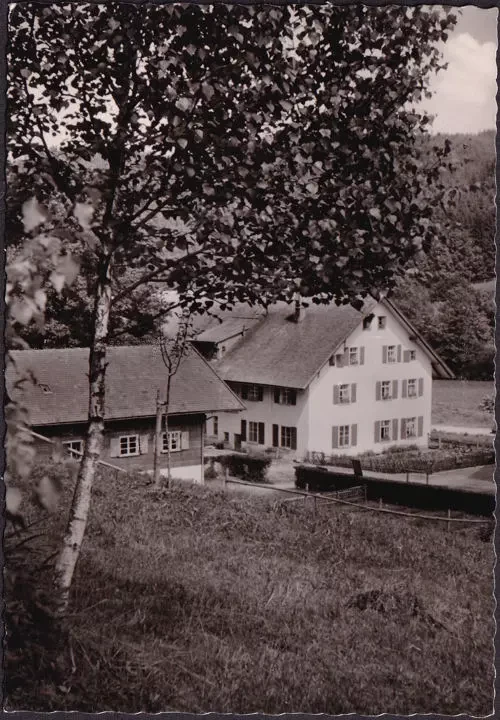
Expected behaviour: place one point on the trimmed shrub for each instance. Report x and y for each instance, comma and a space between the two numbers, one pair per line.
247, 467
320, 480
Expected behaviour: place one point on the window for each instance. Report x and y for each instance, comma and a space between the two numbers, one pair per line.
412, 388
410, 425
385, 430
216, 425
287, 434
344, 394
385, 390
391, 353
174, 440
285, 396
344, 439
353, 356
226, 437
367, 322
253, 432
74, 445
413, 355
382, 322
129, 445
252, 392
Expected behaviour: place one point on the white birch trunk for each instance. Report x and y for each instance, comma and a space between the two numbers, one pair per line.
80, 506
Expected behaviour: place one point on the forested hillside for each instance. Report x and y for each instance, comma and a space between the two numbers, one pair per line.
445, 292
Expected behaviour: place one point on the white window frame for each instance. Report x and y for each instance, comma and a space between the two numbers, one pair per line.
412, 383
353, 356
68, 444
391, 354
388, 384
385, 425
344, 436
175, 441
253, 392
410, 423
344, 393
413, 355
253, 430
128, 439
382, 322
286, 437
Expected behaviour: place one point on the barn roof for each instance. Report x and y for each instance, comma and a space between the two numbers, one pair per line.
60, 391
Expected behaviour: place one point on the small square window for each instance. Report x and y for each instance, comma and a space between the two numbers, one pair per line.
413, 354
391, 353
385, 430
74, 447
382, 322
344, 436
174, 439
386, 390
129, 445
353, 356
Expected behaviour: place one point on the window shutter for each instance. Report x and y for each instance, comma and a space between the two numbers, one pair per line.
394, 389
244, 392
377, 431
345, 358
339, 360
114, 447
336, 394
353, 392
276, 435
331, 361
261, 434
384, 353
185, 440
143, 444
335, 437
277, 396
406, 356
293, 398
394, 429
420, 430
399, 353
243, 432
378, 390
354, 435
294, 438
420, 387
362, 355
403, 429
405, 389
260, 391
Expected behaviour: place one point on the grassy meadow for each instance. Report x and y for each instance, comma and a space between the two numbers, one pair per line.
456, 402
193, 600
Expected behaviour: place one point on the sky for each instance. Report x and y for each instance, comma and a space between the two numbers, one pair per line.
465, 94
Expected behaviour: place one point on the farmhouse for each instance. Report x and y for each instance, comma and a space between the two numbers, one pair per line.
57, 401
323, 378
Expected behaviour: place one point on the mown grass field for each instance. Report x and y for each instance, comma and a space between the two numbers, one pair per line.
195, 600
456, 402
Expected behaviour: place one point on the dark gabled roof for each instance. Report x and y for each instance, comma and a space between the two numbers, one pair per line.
133, 376
278, 351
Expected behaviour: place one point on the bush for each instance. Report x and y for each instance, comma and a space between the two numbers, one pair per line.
247, 467
320, 480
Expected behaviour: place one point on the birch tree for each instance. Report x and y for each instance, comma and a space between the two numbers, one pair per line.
238, 153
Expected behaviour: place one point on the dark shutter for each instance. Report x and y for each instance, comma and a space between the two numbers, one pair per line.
261, 434
260, 391
420, 387
339, 360
399, 353
377, 431
394, 429
405, 389
276, 436
420, 430
384, 353
277, 396
403, 429
293, 397
362, 355
354, 435
293, 432
353, 392
378, 390
335, 437
336, 395
243, 430
406, 356
244, 392
394, 389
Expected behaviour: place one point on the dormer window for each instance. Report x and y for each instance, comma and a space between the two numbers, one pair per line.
46, 389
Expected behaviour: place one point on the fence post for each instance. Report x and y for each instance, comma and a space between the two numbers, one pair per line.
226, 473
380, 503
365, 493
448, 524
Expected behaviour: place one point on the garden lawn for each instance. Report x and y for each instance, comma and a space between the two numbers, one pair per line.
456, 402
194, 600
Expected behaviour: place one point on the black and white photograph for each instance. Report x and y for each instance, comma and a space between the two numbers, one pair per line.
249, 337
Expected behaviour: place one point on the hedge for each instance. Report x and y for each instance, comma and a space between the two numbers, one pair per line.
246, 467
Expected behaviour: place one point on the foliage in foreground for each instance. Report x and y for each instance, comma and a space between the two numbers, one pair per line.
195, 600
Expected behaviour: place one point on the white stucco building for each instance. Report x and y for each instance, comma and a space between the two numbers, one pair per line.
326, 378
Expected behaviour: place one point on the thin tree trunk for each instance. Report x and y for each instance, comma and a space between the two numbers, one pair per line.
156, 461
80, 506
167, 405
